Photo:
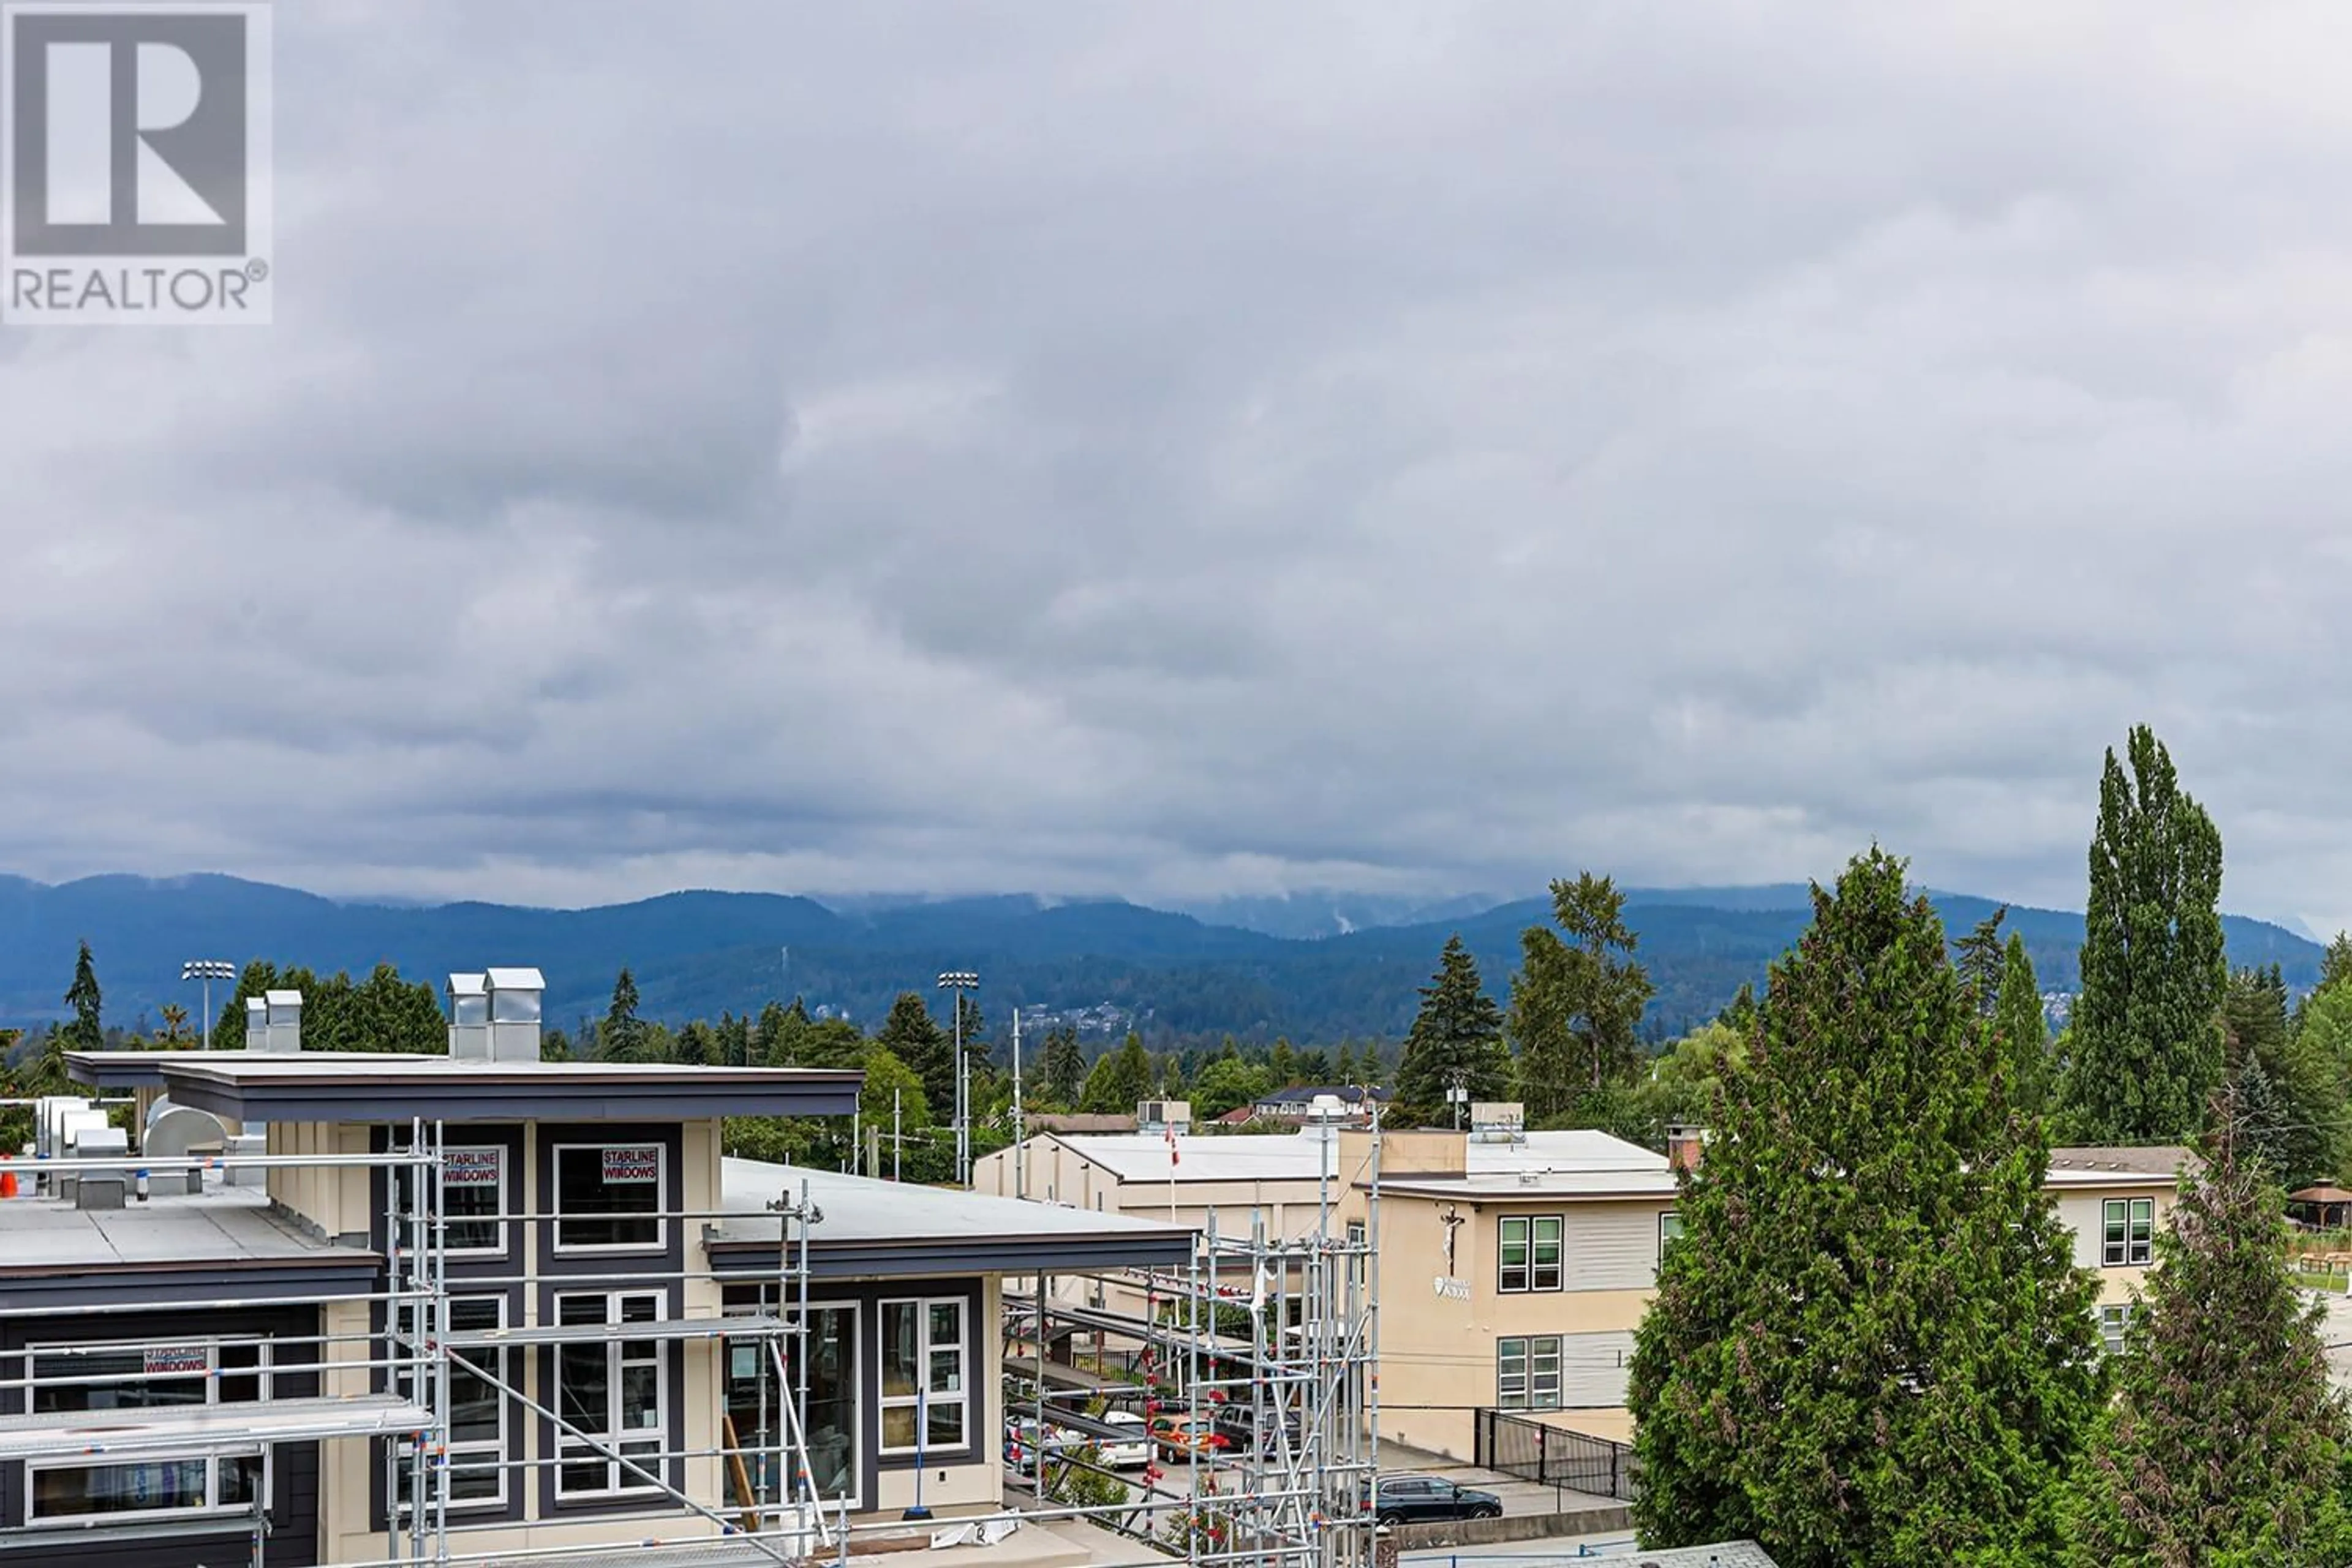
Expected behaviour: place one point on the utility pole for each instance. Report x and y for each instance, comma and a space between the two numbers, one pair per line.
1020, 1153
955, 983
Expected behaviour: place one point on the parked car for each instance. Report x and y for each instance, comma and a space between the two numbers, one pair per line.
1417, 1499
1021, 1445
1178, 1435
1131, 1451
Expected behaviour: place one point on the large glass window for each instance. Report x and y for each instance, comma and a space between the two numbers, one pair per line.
612, 1389
608, 1196
2129, 1225
1669, 1230
755, 1406
478, 1408
1529, 1254
473, 1199
102, 1378
1527, 1372
923, 1377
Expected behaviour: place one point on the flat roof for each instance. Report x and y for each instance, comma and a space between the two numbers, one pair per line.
254, 1086
1309, 1154
896, 1228
52, 1252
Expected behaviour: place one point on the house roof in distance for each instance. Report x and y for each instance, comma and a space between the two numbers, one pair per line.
1312, 1152
874, 1228
2157, 1159
319, 1086
1722, 1554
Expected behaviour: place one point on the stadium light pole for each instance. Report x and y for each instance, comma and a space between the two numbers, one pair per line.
208, 970
955, 983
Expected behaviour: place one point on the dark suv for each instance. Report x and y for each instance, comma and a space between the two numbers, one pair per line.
1417, 1499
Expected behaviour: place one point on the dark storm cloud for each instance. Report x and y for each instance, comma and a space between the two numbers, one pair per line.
1183, 450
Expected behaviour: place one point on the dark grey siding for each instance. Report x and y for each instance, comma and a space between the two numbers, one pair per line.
293, 1539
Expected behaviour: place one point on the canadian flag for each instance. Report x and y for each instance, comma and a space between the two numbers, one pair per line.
1173, 1156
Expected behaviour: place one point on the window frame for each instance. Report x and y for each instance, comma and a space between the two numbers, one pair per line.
2115, 1322
1529, 1271
1527, 1353
405, 1210
1669, 1230
2128, 1241
924, 1402
619, 1355
502, 1367
660, 1243
208, 1382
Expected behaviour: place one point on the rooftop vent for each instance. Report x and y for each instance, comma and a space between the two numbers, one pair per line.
256, 1024
469, 1017
281, 1034
515, 995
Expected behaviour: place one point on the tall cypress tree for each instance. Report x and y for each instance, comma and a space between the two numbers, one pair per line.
1871, 1344
1457, 1038
85, 1033
1577, 1006
1983, 961
2146, 1047
2225, 1442
1064, 1067
2022, 1033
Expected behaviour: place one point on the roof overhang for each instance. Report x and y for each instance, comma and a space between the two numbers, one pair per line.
279, 1282
916, 1257
485, 1093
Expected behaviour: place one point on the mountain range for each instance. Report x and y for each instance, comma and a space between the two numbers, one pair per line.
1315, 967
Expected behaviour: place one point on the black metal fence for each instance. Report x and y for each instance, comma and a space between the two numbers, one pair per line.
1555, 1456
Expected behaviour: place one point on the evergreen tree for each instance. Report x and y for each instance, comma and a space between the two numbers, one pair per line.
85, 1033
777, 1040
734, 1040
1456, 1040
1227, 1084
1739, 1012
2146, 1051
698, 1044
2224, 1444
622, 1038
554, 1046
1282, 1064
1983, 963
1121, 1080
1871, 1345
2335, 964
915, 1037
2022, 1031
893, 1088
2293, 1088
1065, 1067
1577, 1006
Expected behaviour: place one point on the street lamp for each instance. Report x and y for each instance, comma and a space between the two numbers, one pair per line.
955, 983
208, 970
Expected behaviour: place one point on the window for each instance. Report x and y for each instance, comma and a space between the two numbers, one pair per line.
473, 1199
923, 1375
612, 1389
2114, 1322
756, 1405
1669, 1230
478, 1406
1527, 1372
2130, 1232
147, 1377
1529, 1254
608, 1197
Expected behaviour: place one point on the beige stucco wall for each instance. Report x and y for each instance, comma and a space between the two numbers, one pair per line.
2082, 1214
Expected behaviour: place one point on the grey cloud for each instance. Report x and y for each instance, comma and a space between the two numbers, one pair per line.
1130, 449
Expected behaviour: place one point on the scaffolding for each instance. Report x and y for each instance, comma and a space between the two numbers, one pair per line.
1296, 1378
1271, 1346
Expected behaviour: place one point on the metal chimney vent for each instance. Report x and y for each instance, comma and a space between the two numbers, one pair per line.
515, 997
283, 1016
256, 1024
469, 1017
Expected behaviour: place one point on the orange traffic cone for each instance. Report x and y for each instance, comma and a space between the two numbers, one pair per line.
7, 1178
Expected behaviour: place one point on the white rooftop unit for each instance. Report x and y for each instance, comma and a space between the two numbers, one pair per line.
515, 996
1160, 1115
1498, 1122
282, 1015
256, 1024
469, 1017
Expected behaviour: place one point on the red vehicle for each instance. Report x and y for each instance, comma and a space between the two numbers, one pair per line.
1188, 1434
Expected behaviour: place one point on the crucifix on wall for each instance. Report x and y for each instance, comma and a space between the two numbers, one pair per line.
1452, 1220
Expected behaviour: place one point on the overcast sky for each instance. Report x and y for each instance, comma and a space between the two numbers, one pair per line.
1179, 449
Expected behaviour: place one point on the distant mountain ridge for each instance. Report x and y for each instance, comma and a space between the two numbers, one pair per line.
696, 953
